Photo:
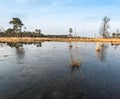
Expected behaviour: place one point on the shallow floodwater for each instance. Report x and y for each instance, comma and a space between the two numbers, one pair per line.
57, 70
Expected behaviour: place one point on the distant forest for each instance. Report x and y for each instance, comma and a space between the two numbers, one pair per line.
19, 31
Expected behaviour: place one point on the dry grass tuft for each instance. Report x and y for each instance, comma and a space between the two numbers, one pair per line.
28, 39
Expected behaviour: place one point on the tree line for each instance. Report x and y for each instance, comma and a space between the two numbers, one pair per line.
16, 31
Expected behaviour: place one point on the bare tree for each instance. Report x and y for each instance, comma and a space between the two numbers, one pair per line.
104, 28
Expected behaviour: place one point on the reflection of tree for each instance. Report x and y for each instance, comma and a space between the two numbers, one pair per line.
20, 52
15, 44
19, 49
75, 63
38, 44
115, 45
18, 45
101, 51
1, 44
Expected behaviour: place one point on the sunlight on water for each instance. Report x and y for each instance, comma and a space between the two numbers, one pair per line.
56, 70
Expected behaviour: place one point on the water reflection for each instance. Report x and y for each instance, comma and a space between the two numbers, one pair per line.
38, 44
42, 75
1, 44
101, 51
20, 52
18, 45
115, 45
75, 62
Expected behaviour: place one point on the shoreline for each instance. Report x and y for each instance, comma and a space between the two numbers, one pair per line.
39, 39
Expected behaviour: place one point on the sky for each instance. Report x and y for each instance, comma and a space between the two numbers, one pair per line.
57, 16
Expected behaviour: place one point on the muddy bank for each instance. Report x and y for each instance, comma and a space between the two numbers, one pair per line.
25, 39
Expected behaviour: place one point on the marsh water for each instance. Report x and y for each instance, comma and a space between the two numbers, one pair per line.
59, 70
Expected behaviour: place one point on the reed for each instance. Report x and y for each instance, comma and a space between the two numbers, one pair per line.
28, 39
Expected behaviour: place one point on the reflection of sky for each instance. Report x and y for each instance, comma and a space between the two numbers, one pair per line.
46, 70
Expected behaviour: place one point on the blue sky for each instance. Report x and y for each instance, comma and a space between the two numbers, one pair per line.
57, 16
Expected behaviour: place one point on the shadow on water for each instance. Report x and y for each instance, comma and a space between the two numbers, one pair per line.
101, 51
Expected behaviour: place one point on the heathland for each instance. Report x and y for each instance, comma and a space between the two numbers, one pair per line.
58, 39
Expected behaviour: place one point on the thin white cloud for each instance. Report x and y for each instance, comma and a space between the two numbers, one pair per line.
56, 16
24, 1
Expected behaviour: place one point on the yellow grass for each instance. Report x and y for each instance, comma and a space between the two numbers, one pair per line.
28, 39
75, 64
